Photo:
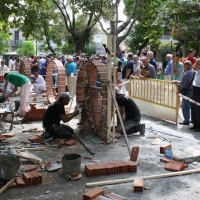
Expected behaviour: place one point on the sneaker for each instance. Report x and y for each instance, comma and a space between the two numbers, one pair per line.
142, 129
192, 128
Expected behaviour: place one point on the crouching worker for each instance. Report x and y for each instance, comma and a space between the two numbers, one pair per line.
54, 114
130, 114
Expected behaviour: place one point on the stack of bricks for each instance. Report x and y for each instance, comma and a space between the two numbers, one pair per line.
32, 178
26, 67
110, 168
93, 96
34, 114
61, 80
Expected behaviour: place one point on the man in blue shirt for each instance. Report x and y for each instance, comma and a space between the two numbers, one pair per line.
128, 68
71, 75
169, 67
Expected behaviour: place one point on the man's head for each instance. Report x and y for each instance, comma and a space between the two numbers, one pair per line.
191, 53
135, 58
2, 63
130, 56
168, 57
198, 64
65, 98
36, 74
150, 55
145, 61
176, 57
5, 75
70, 59
187, 65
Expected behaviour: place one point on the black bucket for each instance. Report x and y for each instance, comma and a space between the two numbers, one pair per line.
17, 104
71, 163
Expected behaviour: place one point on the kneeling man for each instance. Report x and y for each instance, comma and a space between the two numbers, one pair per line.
130, 114
39, 83
55, 113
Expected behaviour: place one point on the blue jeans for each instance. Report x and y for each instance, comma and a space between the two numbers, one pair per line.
186, 107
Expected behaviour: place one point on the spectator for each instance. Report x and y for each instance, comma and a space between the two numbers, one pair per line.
186, 85
71, 76
136, 66
195, 109
34, 65
191, 57
152, 61
4, 67
169, 67
128, 68
148, 70
11, 63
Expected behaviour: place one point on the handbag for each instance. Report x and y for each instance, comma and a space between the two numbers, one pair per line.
184, 90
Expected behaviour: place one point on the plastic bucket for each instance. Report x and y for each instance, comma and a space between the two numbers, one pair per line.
71, 163
17, 104
8, 167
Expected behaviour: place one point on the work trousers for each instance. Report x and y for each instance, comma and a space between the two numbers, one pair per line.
24, 95
186, 107
71, 84
38, 88
60, 131
195, 109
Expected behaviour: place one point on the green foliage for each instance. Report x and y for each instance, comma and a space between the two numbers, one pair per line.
3, 42
27, 49
68, 49
165, 48
90, 49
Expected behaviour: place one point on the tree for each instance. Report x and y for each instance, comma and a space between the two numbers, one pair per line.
135, 10
3, 44
27, 49
183, 20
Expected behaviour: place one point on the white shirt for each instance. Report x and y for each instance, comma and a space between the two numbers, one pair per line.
4, 68
11, 64
40, 81
9, 87
136, 67
196, 81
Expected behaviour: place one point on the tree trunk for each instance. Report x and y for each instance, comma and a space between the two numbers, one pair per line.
142, 46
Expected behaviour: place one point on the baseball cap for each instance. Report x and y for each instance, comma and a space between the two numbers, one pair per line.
117, 90
66, 95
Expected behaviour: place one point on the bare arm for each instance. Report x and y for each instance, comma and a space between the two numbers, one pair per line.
13, 91
175, 71
68, 117
5, 87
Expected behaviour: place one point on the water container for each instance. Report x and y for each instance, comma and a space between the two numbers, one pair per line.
168, 154
7, 107
71, 163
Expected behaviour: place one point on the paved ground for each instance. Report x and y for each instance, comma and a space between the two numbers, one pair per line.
185, 187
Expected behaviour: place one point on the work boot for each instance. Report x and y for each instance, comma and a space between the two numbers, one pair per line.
142, 129
46, 135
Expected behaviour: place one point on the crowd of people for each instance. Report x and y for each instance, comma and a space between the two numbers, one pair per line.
185, 74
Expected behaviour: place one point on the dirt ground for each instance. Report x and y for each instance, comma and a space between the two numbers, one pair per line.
55, 186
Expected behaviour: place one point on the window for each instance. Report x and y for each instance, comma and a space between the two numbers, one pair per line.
16, 35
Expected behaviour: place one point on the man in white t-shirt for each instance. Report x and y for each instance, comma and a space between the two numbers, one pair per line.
11, 63
39, 83
10, 88
4, 67
136, 66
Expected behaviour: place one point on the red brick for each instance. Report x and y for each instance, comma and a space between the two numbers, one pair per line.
29, 179
71, 142
92, 194
20, 182
134, 153
164, 147
138, 185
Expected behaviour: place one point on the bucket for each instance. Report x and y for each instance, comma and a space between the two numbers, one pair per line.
17, 104
71, 163
8, 167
